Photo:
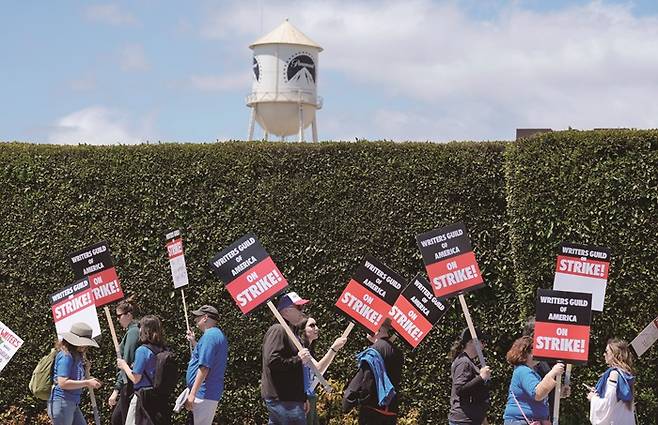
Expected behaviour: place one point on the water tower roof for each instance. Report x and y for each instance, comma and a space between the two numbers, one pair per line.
285, 33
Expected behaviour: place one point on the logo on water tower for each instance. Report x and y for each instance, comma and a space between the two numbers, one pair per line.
300, 68
256, 68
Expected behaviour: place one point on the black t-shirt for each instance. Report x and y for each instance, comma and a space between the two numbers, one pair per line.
282, 375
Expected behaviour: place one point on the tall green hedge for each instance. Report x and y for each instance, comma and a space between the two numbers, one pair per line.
318, 209
601, 188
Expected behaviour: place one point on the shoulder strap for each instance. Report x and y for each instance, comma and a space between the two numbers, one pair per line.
155, 350
519, 406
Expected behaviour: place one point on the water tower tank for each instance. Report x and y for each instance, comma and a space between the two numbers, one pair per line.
284, 92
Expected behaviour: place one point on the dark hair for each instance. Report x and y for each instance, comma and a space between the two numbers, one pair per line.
520, 350
301, 332
64, 345
529, 327
127, 305
150, 330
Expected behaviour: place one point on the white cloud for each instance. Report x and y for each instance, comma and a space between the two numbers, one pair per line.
594, 65
97, 125
133, 58
221, 83
109, 13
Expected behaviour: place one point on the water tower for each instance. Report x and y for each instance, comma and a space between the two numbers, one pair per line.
284, 97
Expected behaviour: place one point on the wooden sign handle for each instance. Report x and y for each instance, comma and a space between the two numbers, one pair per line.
110, 324
92, 396
298, 345
187, 320
471, 328
567, 375
556, 404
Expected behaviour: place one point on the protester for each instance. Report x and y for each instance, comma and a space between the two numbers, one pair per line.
528, 392
309, 332
282, 378
543, 367
469, 396
142, 375
611, 401
123, 390
69, 376
205, 371
375, 386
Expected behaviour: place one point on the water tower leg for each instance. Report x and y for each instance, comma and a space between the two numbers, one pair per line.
301, 122
314, 128
252, 121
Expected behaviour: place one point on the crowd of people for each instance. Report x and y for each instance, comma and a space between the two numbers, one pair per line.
141, 392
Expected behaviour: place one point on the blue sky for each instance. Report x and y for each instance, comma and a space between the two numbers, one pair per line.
127, 72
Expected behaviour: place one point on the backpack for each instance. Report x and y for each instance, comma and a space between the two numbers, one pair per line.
41, 382
166, 376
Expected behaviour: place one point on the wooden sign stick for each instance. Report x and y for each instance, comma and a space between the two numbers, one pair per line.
345, 334
556, 404
92, 396
187, 320
298, 345
567, 375
110, 323
471, 328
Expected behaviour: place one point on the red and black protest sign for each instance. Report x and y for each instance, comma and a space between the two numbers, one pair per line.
450, 260
562, 326
582, 268
74, 303
371, 293
95, 262
248, 272
416, 311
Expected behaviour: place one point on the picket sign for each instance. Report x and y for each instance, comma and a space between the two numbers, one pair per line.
298, 345
346, 333
471, 328
92, 396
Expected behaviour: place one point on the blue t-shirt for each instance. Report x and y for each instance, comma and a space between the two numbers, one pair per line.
523, 385
144, 363
68, 367
212, 352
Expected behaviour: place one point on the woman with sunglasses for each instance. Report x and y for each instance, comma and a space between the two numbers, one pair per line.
611, 401
123, 391
309, 332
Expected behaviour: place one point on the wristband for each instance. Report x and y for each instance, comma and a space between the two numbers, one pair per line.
332, 349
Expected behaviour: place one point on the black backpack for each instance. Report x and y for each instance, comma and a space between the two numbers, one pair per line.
166, 370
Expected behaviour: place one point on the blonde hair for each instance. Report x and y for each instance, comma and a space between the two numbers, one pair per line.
620, 355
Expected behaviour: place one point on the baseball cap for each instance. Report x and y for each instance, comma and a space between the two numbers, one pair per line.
207, 309
289, 299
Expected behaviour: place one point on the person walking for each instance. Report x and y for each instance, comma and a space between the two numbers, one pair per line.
123, 389
528, 392
611, 401
375, 387
207, 366
309, 333
69, 376
469, 394
143, 408
282, 375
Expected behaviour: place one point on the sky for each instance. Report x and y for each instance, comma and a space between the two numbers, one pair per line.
148, 71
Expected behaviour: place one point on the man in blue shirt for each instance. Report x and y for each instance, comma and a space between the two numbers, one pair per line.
205, 371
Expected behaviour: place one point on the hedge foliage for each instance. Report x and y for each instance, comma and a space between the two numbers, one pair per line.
318, 209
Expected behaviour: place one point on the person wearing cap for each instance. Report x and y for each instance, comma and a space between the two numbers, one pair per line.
375, 387
469, 395
282, 378
205, 371
69, 376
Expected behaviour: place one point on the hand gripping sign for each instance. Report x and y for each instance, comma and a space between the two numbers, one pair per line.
252, 279
371, 293
9, 344
449, 260
562, 326
416, 311
95, 261
582, 268
72, 304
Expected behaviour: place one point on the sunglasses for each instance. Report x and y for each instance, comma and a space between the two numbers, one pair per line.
120, 315
312, 325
